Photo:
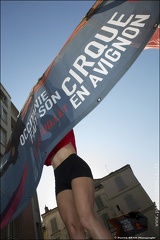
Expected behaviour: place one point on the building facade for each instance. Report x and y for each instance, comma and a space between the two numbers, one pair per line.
115, 195
28, 224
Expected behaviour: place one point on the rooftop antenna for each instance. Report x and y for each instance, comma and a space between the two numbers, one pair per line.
107, 169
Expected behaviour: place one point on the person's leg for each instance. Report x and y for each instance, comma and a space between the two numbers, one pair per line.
83, 194
69, 216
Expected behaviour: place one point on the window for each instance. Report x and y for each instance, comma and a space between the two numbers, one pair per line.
3, 136
54, 225
131, 202
105, 219
99, 203
3, 98
120, 183
3, 114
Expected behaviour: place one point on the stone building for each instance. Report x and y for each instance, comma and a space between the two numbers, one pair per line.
115, 194
28, 224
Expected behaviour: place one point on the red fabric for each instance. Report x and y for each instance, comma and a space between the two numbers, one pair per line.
69, 138
155, 40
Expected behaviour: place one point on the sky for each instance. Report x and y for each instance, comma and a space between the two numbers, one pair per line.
122, 130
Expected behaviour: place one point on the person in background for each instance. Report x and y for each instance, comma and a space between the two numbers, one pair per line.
74, 187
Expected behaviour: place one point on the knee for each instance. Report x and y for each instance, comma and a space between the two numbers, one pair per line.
87, 221
74, 228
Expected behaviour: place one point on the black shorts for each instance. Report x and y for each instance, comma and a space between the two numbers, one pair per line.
72, 167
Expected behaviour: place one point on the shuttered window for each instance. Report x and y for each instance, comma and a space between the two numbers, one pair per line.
54, 225
99, 203
105, 219
131, 202
3, 136
120, 183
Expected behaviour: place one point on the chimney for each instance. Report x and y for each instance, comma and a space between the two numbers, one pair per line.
46, 209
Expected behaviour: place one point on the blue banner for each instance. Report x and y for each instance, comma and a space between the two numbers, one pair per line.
99, 52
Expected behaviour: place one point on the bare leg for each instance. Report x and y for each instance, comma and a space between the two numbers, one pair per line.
69, 215
83, 194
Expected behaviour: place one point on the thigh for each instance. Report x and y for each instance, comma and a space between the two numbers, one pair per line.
84, 195
66, 207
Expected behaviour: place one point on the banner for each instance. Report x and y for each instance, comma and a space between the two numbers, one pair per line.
130, 224
99, 52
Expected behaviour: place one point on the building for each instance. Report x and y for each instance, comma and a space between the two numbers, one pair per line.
28, 224
53, 226
115, 195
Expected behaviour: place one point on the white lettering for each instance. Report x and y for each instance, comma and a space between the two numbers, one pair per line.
94, 79
83, 92
42, 111
74, 101
123, 41
76, 76
119, 22
54, 97
130, 32
114, 57
96, 51
44, 96
65, 88
80, 67
141, 18
101, 70
113, 33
